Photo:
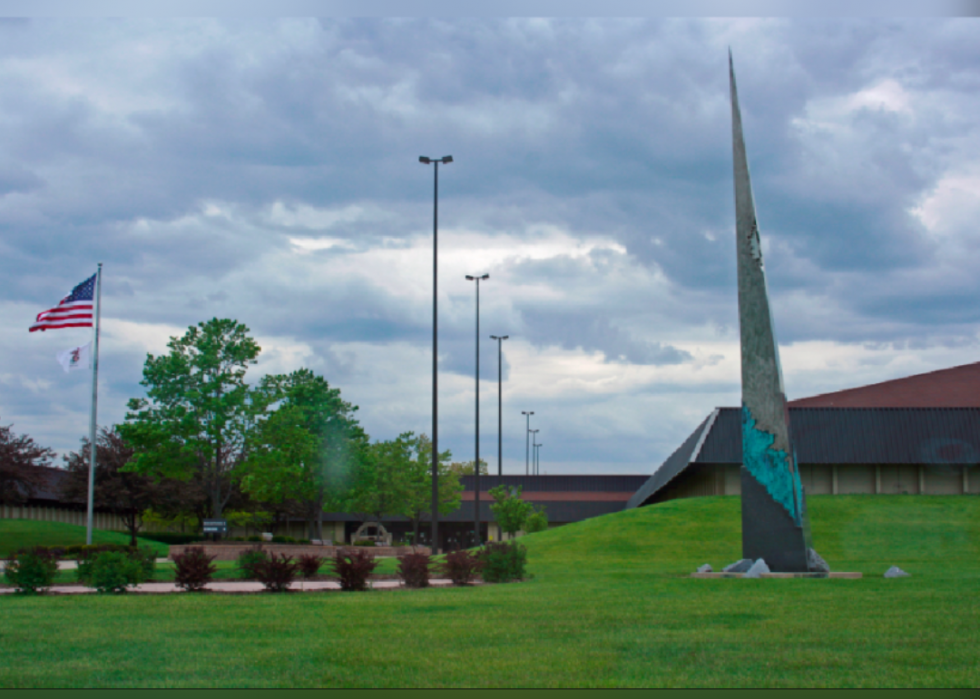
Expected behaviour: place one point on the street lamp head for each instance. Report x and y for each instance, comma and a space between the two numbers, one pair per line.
499, 337
470, 277
485, 276
524, 412
423, 159
446, 159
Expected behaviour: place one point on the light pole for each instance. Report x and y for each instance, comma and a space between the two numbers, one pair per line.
476, 462
537, 457
500, 405
435, 346
534, 438
527, 442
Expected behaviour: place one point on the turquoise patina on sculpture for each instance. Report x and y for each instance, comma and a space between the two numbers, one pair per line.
768, 466
774, 519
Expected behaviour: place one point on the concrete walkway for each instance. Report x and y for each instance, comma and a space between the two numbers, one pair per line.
238, 586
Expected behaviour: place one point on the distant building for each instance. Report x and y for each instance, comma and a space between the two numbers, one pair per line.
565, 499
916, 435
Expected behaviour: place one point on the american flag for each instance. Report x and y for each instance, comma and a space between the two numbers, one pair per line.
73, 311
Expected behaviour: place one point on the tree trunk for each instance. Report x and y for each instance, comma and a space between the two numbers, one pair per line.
131, 519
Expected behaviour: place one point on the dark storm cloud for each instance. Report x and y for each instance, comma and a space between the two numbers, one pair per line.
161, 148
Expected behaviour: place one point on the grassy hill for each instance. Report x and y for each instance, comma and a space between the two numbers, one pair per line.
19, 533
611, 605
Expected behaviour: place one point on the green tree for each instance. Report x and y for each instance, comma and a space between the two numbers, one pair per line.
198, 409
509, 510
417, 485
537, 521
306, 449
380, 481
465, 468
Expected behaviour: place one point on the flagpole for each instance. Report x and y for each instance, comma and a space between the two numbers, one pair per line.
95, 403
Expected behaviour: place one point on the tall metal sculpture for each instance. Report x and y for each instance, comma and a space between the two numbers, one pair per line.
775, 525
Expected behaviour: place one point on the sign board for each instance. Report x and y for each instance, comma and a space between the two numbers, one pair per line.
215, 526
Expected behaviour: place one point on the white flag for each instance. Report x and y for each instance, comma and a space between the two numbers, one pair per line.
75, 358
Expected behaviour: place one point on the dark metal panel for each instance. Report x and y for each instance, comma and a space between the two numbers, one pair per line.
567, 483
862, 436
669, 469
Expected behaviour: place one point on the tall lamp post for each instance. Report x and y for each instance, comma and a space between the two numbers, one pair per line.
435, 346
537, 459
527, 442
476, 462
534, 446
500, 405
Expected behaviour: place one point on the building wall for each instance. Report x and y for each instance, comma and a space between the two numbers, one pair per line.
102, 520
817, 479
865, 479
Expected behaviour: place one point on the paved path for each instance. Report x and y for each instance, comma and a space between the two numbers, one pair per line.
237, 586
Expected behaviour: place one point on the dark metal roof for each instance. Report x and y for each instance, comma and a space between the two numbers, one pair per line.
558, 512
956, 387
861, 436
560, 483
835, 436
674, 464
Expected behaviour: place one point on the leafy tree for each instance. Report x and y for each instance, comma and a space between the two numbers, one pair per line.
20, 457
305, 449
198, 409
130, 494
509, 510
379, 482
537, 521
465, 468
417, 484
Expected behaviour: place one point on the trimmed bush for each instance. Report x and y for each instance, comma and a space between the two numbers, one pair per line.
461, 566
249, 562
363, 542
194, 569
283, 540
309, 565
147, 559
113, 572
31, 570
415, 569
277, 572
144, 557
503, 561
354, 568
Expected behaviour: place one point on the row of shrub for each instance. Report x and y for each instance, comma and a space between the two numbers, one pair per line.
496, 562
79, 551
110, 570
106, 567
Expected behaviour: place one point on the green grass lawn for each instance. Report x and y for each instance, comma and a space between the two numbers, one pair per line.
21, 533
611, 605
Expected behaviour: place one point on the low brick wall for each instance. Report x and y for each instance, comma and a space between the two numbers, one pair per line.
231, 551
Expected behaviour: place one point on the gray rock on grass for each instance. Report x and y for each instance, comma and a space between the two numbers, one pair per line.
739, 566
816, 563
706, 568
896, 572
757, 569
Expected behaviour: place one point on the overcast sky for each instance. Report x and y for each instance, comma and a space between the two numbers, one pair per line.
267, 170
